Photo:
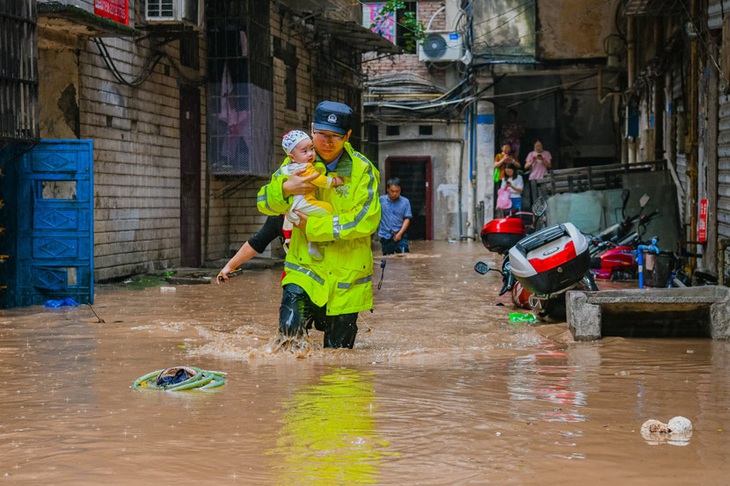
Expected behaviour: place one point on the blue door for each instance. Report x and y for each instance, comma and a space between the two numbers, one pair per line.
55, 221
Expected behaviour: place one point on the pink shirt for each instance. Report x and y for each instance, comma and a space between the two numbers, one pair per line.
538, 168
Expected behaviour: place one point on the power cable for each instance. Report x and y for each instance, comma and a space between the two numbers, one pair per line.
145, 73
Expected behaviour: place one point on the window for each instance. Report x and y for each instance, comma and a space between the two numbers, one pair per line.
189, 56
403, 36
240, 88
390, 29
288, 55
392, 130
425, 129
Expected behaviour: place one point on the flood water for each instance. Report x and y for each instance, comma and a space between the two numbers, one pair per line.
440, 389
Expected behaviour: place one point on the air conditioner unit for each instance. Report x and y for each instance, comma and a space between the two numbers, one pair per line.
174, 11
441, 47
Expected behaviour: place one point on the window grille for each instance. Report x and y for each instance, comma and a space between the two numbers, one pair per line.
18, 72
240, 100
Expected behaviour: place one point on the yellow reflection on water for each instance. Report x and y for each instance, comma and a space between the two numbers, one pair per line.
329, 434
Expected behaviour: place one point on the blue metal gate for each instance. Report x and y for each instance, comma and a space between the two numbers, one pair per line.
55, 237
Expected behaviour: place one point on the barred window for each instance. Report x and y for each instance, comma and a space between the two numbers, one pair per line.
19, 81
240, 101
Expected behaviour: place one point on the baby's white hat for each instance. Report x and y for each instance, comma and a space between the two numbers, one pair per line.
292, 139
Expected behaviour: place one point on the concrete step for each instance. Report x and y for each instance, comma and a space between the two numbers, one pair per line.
679, 312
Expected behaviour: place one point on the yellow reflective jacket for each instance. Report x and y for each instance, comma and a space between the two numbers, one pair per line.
343, 278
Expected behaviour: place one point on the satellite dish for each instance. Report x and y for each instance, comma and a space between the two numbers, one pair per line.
434, 46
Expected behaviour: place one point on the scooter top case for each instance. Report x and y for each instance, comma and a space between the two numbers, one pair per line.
551, 260
499, 235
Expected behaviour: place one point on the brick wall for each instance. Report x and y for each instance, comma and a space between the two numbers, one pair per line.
137, 160
137, 145
409, 63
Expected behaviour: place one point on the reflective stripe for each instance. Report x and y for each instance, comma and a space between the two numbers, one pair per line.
360, 281
305, 271
337, 227
265, 199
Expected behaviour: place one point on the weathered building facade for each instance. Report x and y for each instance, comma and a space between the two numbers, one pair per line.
416, 116
442, 112
181, 112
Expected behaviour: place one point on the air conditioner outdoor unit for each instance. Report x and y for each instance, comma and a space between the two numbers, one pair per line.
441, 47
187, 11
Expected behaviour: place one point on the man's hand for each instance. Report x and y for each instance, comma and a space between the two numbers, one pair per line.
296, 184
302, 226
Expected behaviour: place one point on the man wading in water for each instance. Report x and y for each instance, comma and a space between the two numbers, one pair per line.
329, 292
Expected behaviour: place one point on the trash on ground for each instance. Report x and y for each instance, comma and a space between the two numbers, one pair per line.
180, 378
518, 317
56, 303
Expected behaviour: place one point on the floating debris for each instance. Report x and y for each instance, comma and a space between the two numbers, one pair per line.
180, 378
677, 432
519, 317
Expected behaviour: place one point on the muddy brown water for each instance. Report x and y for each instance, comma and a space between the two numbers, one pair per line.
440, 389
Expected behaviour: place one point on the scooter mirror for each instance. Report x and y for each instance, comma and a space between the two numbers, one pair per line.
481, 268
539, 207
625, 197
624, 201
644, 200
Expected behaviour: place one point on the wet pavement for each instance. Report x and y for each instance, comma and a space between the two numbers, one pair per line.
440, 389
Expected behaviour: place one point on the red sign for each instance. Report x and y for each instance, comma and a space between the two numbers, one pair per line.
116, 10
702, 222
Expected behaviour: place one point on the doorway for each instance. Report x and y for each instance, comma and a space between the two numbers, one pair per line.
190, 174
415, 175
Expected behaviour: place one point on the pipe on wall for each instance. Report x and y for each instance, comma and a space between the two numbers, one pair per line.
721, 247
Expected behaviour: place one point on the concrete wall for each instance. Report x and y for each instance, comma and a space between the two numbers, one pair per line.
574, 29
445, 149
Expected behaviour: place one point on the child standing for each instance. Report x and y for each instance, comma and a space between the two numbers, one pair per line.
513, 182
300, 151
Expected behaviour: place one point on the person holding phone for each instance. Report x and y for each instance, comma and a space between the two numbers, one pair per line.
538, 162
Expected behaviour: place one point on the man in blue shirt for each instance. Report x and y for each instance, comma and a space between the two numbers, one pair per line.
395, 218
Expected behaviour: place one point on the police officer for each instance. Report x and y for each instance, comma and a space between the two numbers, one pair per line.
329, 292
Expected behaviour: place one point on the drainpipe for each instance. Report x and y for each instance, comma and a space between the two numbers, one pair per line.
692, 170
472, 174
721, 247
461, 172
631, 70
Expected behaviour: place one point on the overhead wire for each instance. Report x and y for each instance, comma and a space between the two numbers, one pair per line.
144, 74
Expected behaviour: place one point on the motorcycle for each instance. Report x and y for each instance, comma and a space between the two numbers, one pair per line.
501, 234
550, 262
539, 268
613, 251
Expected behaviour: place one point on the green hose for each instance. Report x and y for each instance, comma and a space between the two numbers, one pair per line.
201, 380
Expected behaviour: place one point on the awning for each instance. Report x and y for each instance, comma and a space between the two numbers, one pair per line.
355, 36
56, 20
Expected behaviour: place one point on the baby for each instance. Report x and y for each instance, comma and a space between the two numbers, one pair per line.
300, 149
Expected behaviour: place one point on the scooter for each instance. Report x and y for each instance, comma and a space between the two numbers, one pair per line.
501, 234
550, 262
613, 251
